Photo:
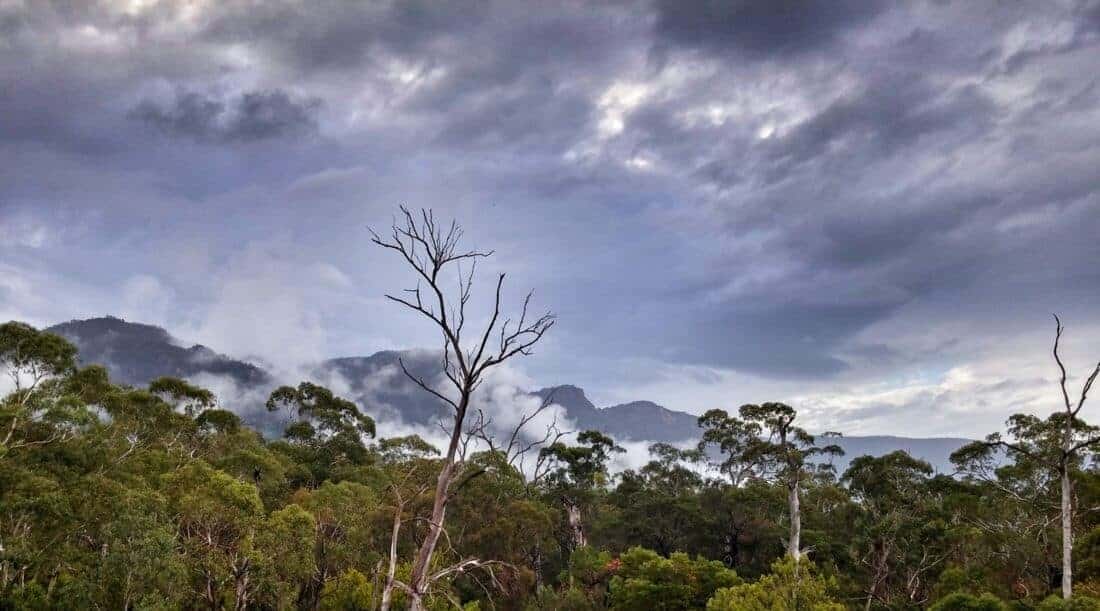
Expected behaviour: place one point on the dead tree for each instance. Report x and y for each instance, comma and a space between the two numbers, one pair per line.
1074, 439
1070, 449
431, 250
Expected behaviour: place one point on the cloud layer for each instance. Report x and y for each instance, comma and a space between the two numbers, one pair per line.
835, 202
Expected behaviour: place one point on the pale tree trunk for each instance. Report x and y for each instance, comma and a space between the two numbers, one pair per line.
794, 542
241, 585
576, 528
1067, 534
418, 580
391, 565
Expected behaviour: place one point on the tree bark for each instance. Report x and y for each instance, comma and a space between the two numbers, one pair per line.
576, 528
391, 565
418, 580
1067, 534
794, 542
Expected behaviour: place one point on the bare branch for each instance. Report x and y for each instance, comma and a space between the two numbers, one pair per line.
1085, 389
1058, 359
429, 247
424, 385
1084, 444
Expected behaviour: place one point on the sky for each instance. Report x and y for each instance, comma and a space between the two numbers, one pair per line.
866, 209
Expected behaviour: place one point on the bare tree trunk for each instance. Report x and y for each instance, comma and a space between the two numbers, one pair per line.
1067, 534
241, 585
576, 528
794, 542
429, 247
391, 567
418, 580
537, 562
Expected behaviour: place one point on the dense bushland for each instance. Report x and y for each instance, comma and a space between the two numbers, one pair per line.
118, 497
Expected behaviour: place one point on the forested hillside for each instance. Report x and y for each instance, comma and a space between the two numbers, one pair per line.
115, 496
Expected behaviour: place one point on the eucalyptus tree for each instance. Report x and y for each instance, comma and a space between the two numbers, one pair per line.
1060, 444
574, 472
32, 359
431, 249
762, 441
324, 429
736, 441
182, 395
660, 503
899, 535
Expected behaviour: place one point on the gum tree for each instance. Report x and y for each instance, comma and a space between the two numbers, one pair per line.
32, 359
762, 441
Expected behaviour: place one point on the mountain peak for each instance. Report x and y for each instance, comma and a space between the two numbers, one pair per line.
103, 325
572, 398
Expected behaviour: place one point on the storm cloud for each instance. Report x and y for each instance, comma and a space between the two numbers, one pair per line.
255, 115
723, 201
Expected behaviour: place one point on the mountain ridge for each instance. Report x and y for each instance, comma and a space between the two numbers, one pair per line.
136, 353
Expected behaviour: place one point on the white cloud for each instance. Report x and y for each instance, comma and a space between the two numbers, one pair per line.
146, 299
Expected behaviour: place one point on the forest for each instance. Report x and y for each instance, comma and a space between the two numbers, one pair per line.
161, 497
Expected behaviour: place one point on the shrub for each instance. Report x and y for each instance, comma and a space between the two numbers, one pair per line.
645, 580
961, 601
788, 586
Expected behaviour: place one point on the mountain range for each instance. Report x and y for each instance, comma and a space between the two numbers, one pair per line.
136, 353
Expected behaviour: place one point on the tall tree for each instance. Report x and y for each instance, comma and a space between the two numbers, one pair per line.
1060, 443
659, 503
785, 454
899, 535
324, 430
737, 442
432, 250
31, 358
574, 472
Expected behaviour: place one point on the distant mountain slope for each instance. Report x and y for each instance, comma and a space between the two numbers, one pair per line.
378, 383
638, 420
645, 420
137, 353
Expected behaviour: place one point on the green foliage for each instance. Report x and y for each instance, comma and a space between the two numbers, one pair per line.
284, 553
589, 567
328, 434
961, 601
182, 395
330, 415
35, 354
582, 466
567, 599
645, 580
1077, 603
1087, 550
351, 591
116, 497
790, 586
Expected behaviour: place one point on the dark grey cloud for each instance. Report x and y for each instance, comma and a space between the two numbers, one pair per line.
890, 113
761, 29
254, 115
